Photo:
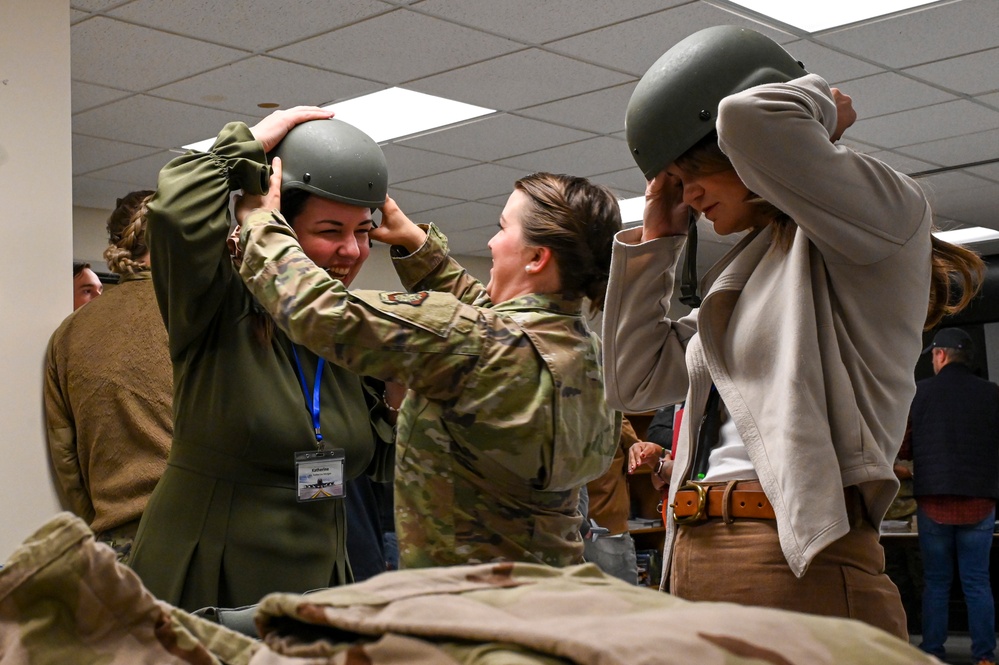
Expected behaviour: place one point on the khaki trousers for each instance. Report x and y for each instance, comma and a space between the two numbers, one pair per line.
742, 562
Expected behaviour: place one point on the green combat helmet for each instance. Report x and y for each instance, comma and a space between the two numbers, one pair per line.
334, 160
676, 103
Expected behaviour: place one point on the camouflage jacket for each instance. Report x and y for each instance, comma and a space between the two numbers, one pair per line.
505, 419
64, 599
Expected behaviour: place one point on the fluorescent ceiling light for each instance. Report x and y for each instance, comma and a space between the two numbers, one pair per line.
393, 113
968, 236
632, 210
812, 16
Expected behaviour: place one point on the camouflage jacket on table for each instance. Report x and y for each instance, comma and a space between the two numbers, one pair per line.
64, 599
505, 419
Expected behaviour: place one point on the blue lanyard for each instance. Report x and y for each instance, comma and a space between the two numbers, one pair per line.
314, 406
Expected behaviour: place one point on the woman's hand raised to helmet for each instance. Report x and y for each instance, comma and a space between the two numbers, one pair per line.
272, 129
665, 212
397, 229
846, 115
247, 203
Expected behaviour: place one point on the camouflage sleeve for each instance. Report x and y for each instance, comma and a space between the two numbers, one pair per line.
61, 434
427, 340
431, 268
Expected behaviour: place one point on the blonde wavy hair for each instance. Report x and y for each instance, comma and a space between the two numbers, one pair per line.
127, 250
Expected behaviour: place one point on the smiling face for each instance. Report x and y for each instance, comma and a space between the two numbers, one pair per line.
334, 235
722, 197
508, 277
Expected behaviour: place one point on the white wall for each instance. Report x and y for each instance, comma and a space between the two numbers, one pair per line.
36, 190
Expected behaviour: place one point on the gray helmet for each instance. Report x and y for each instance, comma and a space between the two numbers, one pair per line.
334, 160
676, 103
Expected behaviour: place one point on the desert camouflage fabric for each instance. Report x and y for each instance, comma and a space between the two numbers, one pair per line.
64, 599
505, 419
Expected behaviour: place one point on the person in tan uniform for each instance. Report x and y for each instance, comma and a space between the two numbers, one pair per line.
108, 390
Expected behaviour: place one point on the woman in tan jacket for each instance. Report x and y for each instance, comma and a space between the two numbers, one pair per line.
797, 366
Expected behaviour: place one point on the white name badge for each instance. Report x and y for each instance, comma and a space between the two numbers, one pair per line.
320, 475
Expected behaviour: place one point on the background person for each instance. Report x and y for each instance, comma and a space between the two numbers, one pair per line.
608, 505
785, 361
505, 418
224, 526
108, 387
954, 445
86, 284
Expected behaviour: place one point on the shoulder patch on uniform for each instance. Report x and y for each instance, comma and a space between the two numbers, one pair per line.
403, 298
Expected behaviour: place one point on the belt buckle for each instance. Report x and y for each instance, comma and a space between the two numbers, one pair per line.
702, 504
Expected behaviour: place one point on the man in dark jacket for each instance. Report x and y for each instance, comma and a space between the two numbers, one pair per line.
955, 451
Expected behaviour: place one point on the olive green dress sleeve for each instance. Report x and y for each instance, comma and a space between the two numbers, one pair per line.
187, 223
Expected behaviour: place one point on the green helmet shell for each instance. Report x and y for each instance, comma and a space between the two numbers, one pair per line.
676, 103
334, 160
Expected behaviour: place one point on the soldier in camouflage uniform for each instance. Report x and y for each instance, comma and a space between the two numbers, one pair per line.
505, 419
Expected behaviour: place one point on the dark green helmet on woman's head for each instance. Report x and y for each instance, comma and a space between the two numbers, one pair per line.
676, 103
334, 160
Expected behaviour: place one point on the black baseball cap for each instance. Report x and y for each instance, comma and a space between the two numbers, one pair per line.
951, 338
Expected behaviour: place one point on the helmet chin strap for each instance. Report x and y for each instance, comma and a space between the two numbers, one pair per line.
688, 278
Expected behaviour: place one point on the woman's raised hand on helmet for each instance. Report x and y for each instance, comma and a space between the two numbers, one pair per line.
273, 128
247, 203
846, 115
397, 229
665, 212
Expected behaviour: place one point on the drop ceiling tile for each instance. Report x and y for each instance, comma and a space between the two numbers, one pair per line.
937, 32
466, 216
633, 46
958, 150
150, 121
86, 96
130, 57
585, 158
90, 154
473, 183
991, 100
626, 183
144, 172
972, 206
830, 65
397, 47
499, 200
93, 192
412, 203
241, 86
497, 136
970, 74
601, 111
518, 80
94, 5
890, 93
405, 163
534, 22
261, 23
925, 124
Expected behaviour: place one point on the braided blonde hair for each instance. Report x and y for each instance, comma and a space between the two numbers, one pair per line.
127, 247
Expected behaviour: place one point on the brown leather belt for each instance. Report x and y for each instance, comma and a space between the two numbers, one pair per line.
695, 502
